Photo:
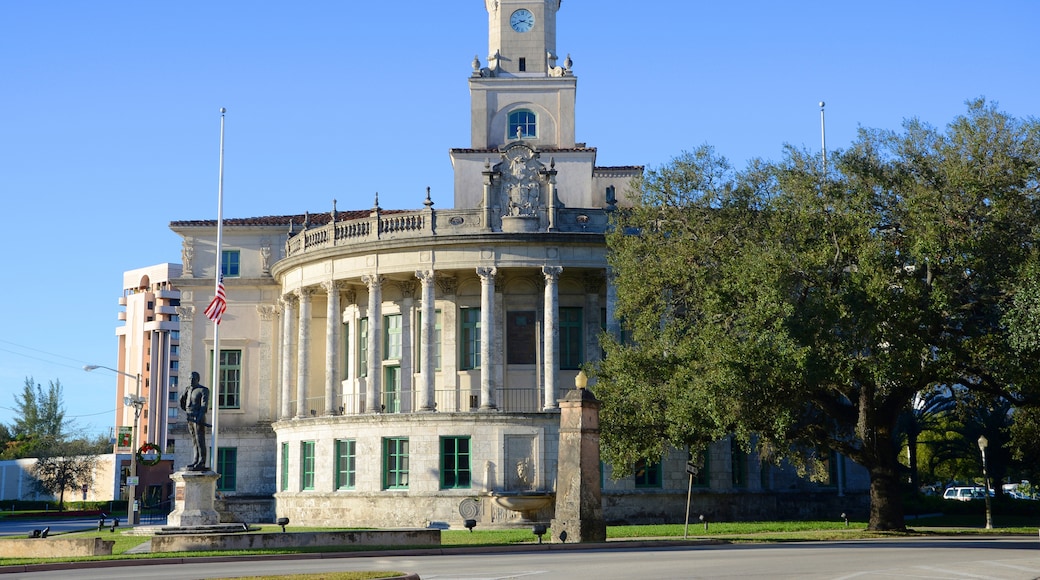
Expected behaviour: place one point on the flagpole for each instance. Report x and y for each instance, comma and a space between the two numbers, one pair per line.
823, 139
217, 290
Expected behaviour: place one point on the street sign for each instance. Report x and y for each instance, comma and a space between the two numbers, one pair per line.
133, 480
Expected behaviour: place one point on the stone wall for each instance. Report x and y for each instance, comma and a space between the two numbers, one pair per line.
212, 542
660, 508
55, 547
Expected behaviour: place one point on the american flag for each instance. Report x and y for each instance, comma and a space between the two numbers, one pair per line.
217, 306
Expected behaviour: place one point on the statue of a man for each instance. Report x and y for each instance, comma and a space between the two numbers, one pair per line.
195, 403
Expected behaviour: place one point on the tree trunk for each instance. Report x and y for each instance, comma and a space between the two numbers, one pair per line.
886, 497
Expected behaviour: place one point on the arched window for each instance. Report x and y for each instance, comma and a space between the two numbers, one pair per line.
525, 122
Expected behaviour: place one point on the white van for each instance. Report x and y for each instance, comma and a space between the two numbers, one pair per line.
963, 493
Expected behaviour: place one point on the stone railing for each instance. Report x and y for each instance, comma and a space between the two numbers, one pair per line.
429, 222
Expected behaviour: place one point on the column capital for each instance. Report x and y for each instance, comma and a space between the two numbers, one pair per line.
449, 285
552, 273
371, 280
487, 272
304, 293
426, 276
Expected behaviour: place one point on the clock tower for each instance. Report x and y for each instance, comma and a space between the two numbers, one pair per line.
522, 35
522, 86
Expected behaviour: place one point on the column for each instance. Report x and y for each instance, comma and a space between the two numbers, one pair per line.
373, 396
552, 335
287, 352
303, 351
332, 324
613, 324
427, 391
487, 310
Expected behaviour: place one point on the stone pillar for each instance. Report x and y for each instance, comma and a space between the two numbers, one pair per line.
373, 394
613, 324
266, 401
287, 353
487, 332
303, 351
592, 318
579, 507
194, 492
332, 324
551, 339
427, 391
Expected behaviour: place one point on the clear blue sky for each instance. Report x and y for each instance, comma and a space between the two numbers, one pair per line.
109, 119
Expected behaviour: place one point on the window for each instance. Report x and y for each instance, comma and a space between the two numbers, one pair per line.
229, 263
738, 463
227, 467
307, 465
392, 337
346, 353
346, 463
455, 470
572, 349
285, 467
647, 474
470, 343
395, 463
521, 338
392, 389
525, 122
436, 342
230, 379
362, 370
523, 64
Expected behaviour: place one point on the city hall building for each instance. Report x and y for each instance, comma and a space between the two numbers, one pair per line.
394, 367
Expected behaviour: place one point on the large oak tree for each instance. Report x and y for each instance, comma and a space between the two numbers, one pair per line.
805, 306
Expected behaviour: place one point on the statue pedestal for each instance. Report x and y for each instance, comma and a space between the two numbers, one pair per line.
517, 224
194, 492
579, 504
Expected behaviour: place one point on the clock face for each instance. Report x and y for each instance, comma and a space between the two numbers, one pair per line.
522, 20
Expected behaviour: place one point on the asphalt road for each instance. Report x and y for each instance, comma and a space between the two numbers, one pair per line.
1007, 558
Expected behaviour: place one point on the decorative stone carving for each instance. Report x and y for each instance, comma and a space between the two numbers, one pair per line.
265, 256
521, 185
187, 255
267, 312
448, 285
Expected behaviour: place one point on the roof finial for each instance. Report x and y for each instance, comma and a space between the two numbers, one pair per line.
333, 210
376, 206
429, 202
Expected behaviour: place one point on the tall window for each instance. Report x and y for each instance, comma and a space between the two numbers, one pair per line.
395, 463
362, 370
703, 464
346, 463
521, 338
392, 337
392, 389
307, 465
470, 343
738, 463
229, 263
227, 467
285, 467
526, 122
455, 468
346, 353
230, 379
572, 348
647, 474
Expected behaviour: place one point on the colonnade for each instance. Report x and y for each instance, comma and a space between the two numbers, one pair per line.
296, 309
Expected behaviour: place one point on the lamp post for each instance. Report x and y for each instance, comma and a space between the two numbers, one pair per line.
983, 443
137, 402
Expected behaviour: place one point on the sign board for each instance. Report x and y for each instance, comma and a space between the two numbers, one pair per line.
133, 480
692, 468
125, 439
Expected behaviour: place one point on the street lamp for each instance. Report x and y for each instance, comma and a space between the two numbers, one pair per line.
137, 402
983, 442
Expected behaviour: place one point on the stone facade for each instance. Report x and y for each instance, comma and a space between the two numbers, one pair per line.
401, 367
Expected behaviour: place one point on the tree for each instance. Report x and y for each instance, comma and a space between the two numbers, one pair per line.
809, 309
41, 416
65, 466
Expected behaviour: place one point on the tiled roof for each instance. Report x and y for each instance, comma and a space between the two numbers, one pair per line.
314, 219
